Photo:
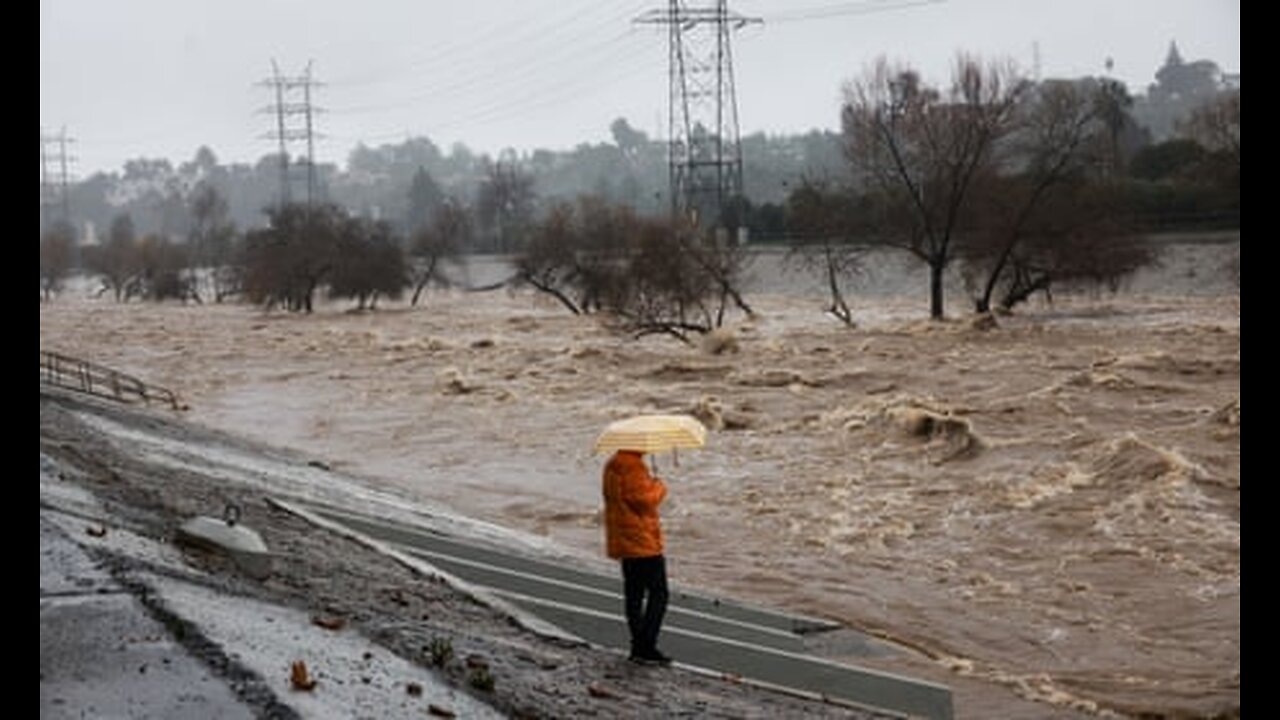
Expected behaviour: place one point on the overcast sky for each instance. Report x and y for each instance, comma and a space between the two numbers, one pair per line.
158, 78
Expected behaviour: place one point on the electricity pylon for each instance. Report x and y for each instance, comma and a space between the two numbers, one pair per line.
55, 186
289, 108
704, 153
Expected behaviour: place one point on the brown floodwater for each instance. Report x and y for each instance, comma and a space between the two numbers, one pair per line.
1050, 508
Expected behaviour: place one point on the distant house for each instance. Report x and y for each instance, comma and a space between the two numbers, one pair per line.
1180, 88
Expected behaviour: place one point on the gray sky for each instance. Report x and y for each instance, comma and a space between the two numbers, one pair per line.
157, 78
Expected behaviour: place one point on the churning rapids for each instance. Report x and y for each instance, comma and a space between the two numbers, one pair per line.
1049, 508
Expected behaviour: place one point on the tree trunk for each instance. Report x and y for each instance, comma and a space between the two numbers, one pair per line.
1023, 290
984, 303
554, 292
839, 307
936, 268
737, 300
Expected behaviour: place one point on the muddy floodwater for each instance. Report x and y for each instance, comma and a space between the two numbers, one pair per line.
1049, 509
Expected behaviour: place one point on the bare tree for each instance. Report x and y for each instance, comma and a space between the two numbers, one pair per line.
667, 293
117, 260
920, 150
368, 263
723, 260
286, 262
1216, 126
57, 249
211, 238
1051, 144
162, 270
504, 204
549, 261
654, 276
680, 280
605, 233
1112, 103
1078, 237
820, 227
437, 243
577, 254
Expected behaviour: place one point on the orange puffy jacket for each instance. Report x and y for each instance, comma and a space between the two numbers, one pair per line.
631, 499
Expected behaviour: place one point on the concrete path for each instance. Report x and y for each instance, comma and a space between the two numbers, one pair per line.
700, 632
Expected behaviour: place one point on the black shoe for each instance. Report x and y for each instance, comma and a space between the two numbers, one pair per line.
652, 658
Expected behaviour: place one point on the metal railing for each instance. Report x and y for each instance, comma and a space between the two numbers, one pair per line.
75, 374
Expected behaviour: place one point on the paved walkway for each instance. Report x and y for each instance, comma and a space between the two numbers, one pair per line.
700, 632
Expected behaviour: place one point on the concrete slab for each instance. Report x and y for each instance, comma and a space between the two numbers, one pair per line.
355, 677
242, 544
102, 655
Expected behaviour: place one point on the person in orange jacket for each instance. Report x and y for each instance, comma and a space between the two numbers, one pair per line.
633, 536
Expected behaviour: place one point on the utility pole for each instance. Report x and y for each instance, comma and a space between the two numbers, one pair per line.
287, 109
55, 191
704, 152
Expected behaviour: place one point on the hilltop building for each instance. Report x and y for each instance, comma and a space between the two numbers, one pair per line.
1180, 88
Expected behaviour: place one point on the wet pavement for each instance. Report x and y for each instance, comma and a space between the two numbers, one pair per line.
705, 633
153, 637
103, 655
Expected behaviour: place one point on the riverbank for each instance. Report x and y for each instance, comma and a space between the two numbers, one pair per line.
1046, 510
364, 625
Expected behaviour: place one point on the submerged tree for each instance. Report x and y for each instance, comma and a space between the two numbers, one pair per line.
504, 205
438, 242
116, 260
1081, 239
287, 261
578, 253
920, 150
549, 262
57, 251
669, 291
652, 276
1043, 166
820, 224
162, 266
211, 239
368, 262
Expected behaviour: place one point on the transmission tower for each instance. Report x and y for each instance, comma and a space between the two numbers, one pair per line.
55, 184
295, 123
704, 153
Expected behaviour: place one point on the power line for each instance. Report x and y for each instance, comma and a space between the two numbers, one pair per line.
538, 98
590, 68
844, 9
492, 80
469, 50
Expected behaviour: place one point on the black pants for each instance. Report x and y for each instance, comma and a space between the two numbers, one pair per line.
641, 577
